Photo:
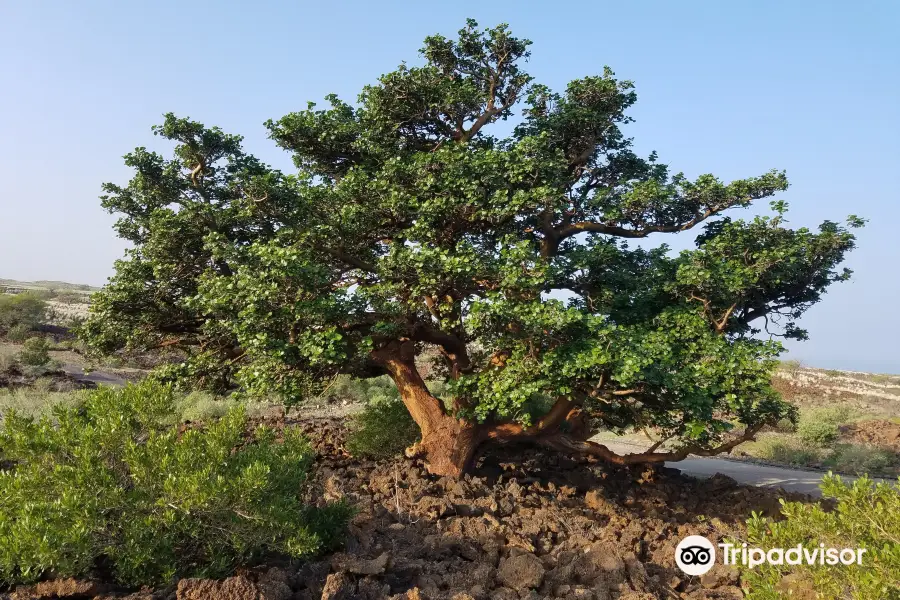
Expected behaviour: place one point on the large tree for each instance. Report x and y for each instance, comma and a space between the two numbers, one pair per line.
419, 225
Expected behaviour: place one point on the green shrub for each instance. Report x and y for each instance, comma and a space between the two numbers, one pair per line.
103, 483
820, 426
792, 366
783, 449
858, 459
382, 430
867, 516
7, 363
18, 333
27, 308
832, 414
204, 406
35, 353
360, 391
71, 298
817, 433
785, 426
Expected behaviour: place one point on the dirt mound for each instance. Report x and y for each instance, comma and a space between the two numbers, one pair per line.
59, 381
876, 432
524, 524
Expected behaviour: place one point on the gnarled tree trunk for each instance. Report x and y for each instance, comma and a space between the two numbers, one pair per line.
449, 444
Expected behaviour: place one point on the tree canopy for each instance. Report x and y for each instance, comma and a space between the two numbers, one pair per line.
414, 228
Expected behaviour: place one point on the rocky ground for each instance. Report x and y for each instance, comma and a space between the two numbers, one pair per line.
522, 525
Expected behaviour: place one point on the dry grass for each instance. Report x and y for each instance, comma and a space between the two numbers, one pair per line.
35, 400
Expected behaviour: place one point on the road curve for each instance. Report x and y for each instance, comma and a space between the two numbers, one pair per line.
748, 473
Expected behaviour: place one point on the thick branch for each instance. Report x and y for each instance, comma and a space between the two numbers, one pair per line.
454, 347
591, 226
567, 443
350, 260
550, 422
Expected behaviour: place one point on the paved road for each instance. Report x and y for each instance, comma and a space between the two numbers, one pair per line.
793, 480
98, 377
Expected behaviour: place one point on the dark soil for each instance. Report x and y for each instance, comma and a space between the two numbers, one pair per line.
60, 381
524, 524
877, 432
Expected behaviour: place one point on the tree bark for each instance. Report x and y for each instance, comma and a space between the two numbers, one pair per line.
448, 444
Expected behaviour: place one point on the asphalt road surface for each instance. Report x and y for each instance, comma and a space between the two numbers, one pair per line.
793, 480
98, 377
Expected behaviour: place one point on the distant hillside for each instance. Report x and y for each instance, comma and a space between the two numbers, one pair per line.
47, 285
868, 393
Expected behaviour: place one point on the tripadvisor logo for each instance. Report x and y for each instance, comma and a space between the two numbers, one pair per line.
695, 555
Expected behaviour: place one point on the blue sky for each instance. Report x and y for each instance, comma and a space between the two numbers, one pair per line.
728, 88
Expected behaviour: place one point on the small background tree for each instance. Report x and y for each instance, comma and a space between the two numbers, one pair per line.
25, 310
415, 224
35, 352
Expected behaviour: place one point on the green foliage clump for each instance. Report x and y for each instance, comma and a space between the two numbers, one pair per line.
382, 430
360, 391
859, 459
867, 515
18, 333
838, 414
820, 427
7, 363
103, 482
71, 298
785, 450
202, 407
27, 308
792, 366
817, 433
35, 353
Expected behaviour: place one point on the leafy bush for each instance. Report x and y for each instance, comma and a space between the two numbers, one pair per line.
71, 298
7, 363
36, 352
203, 407
817, 433
785, 426
103, 483
867, 516
27, 308
838, 415
18, 333
820, 427
793, 366
782, 449
858, 459
360, 391
382, 430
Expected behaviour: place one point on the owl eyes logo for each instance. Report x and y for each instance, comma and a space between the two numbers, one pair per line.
695, 555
